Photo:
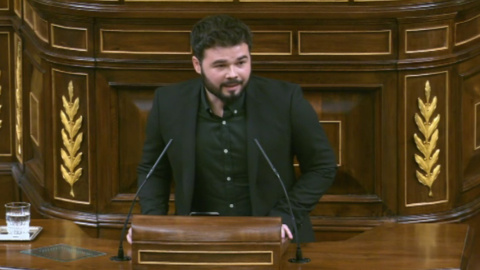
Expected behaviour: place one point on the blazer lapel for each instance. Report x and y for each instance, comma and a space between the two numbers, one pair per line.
254, 128
187, 117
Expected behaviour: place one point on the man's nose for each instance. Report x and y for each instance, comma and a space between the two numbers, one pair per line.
232, 72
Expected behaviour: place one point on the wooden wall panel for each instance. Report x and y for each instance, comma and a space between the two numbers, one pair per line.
363, 67
17, 7
345, 42
144, 41
467, 30
272, 43
6, 127
9, 190
69, 38
133, 108
35, 120
353, 109
427, 39
471, 129
4, 5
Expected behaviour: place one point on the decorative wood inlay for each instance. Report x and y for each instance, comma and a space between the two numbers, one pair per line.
4, 5
34, 119
17, 7
72, 139
428, 143
426, 39
144, 41
368, 42
272, 43
36, 23
467, 30
476, 126
28, 14
69, 38
215, 258
41, 28
18, 100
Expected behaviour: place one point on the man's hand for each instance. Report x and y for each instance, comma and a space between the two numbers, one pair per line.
129, 236
286, 232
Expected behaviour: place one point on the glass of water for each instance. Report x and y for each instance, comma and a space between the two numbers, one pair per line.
18, 219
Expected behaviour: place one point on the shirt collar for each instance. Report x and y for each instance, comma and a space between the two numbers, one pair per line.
238, 105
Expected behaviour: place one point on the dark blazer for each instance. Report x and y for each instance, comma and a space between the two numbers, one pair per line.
278, 116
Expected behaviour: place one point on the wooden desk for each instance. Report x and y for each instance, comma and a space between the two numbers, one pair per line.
395, 247
391, 246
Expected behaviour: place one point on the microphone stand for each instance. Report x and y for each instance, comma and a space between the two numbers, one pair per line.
120, 254
298, 255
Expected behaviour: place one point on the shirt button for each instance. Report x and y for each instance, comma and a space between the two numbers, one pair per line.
229, 178
225, 151
231, 205
224, 122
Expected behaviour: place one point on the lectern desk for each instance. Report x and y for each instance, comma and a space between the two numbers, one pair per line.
390, 246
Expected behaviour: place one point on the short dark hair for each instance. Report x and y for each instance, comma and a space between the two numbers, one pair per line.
218, 30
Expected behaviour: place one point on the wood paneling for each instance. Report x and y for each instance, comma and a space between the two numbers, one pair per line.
69, 38
151, 42
363, 67
6, 127
340, 42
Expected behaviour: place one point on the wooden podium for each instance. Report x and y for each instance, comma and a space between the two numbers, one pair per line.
201, 242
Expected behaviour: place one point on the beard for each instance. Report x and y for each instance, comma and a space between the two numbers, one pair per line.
217, 91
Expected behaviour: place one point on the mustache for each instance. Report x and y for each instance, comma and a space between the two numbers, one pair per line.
230, 82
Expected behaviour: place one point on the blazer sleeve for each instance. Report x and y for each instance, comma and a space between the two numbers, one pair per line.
316, 159
154, 195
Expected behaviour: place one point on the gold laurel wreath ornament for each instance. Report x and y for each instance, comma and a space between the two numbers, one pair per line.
429, 130
72, 139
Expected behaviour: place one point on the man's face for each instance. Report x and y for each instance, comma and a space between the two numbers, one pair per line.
225, 71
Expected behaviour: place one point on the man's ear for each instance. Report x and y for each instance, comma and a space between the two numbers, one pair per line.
197, 65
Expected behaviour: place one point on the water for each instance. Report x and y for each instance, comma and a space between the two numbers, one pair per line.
18, 223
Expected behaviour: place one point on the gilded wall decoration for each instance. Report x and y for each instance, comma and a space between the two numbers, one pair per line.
426, 145
72, 139
18, 101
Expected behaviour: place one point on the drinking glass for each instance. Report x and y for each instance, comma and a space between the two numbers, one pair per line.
18, 219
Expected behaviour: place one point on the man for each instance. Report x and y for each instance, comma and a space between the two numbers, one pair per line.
214, 120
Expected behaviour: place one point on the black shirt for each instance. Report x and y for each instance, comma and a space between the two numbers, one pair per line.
221, 183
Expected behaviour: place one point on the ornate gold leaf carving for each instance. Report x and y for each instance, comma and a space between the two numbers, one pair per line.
72, 139
429, 130
18, 101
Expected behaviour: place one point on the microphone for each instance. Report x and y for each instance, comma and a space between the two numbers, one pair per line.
298, 256
120, 256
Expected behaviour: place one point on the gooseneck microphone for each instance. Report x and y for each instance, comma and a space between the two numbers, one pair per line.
120, 255
298, 256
